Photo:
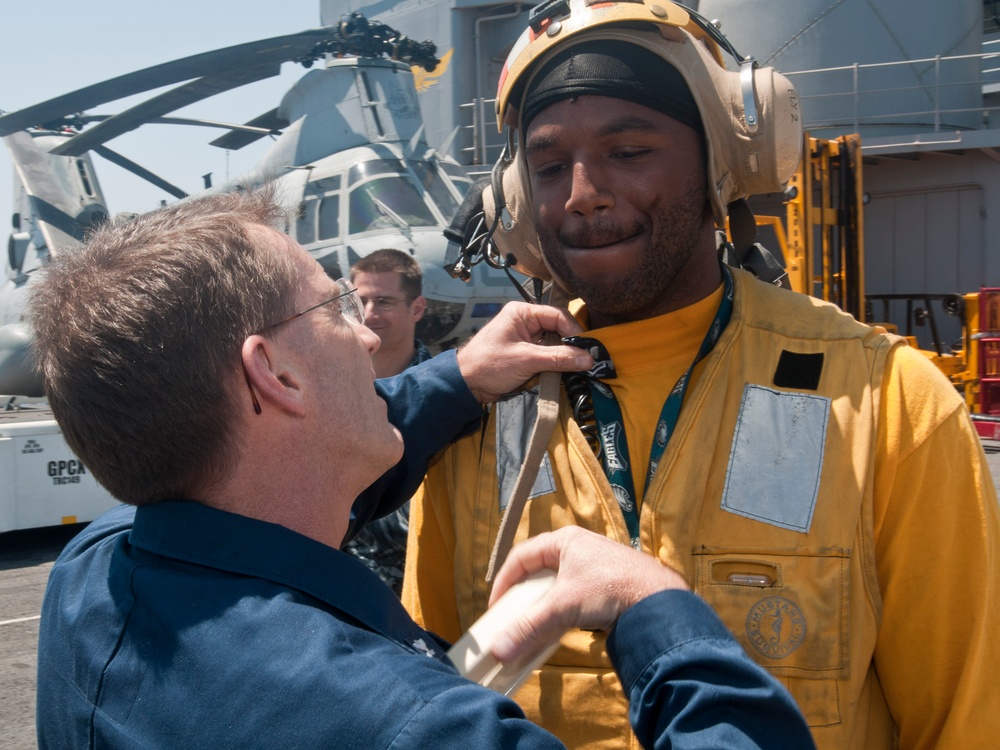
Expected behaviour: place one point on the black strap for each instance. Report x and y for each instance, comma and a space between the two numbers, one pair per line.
749, 254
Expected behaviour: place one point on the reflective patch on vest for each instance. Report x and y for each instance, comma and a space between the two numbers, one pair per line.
515, 418
777, 457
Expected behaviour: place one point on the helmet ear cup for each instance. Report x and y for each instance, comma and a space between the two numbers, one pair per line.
751, 119
765, 130
515, 232
786, 124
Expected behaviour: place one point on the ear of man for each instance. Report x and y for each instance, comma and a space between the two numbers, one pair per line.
418, 308
273, 375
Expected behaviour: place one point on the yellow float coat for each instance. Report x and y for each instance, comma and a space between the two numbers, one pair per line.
847, 530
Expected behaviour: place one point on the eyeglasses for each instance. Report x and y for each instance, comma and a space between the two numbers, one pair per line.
383, 304
351, 308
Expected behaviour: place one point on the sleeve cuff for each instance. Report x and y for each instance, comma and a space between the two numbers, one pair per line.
657, 624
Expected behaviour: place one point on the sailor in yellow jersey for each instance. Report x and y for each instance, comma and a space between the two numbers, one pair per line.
816, 481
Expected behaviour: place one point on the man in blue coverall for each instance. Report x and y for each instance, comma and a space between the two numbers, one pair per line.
208, 372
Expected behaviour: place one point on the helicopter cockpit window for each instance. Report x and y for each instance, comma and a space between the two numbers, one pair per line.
329, 218
385, 202
319, 212
365, 169
434, 183
305, 221
458, 175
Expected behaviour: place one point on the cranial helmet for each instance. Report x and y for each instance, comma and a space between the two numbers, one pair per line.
750, 118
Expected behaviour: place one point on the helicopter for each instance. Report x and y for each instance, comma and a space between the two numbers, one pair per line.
349, 158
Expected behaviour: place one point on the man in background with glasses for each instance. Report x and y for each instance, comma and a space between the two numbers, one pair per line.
390, 284
206, 370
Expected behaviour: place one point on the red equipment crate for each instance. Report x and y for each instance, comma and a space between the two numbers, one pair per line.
989, 397
989, 350
987, 426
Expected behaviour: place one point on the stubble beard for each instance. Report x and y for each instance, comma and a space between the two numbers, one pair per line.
677, 237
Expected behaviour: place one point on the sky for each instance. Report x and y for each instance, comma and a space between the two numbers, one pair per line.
54, 47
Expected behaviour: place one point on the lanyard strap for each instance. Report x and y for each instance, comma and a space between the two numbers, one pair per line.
611, 424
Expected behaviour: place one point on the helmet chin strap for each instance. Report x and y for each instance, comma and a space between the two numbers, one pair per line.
745, 252
541, 432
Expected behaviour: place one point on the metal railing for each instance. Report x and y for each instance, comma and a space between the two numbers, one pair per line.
938, 93
486, 142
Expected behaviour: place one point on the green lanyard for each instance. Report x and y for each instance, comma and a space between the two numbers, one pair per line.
611, 424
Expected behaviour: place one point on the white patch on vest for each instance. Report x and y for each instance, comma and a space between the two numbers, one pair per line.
777, 457
515, 419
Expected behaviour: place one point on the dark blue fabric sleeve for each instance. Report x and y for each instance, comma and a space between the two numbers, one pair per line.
691, 686
431, 406
468, 716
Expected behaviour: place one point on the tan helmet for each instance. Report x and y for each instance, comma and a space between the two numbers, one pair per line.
751, 119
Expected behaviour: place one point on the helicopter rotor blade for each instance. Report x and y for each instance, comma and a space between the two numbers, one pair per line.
169, 101
249, 128
272, 51
139, 171
191, 92
266, 124
74, 121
